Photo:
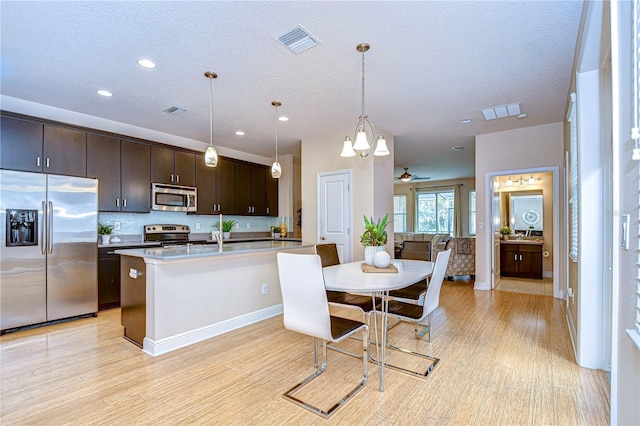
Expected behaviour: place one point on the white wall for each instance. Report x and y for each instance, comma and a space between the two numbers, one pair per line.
497, 153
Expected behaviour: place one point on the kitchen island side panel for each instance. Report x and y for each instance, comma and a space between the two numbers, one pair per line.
189, 300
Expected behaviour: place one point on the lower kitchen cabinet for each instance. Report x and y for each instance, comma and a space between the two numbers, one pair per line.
521, 260
108, 279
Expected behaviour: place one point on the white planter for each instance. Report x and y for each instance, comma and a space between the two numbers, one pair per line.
369, 252
105, 239
226, 235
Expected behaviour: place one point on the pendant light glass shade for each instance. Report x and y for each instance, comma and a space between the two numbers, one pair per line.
276, 169
211, 155
381, 148
362, 147
361, 141
532, 180
509, 181
347, 148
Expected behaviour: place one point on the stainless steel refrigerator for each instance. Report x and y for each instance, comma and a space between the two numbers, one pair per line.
48, 248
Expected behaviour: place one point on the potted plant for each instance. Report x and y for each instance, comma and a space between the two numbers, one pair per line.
374, 237
505, 230
105, 232
227, 226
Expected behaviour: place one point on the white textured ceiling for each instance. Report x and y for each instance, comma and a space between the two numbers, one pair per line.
431, 64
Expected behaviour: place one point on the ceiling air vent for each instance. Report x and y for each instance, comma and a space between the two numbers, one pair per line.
298, 40
174, 110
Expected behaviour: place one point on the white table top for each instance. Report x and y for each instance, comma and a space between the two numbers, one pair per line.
349, 276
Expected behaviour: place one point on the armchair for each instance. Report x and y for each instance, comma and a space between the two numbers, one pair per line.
463, 257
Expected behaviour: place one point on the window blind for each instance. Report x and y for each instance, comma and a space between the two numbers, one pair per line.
573, 176
635, 333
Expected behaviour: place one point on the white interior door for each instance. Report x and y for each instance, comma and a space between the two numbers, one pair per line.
334, 211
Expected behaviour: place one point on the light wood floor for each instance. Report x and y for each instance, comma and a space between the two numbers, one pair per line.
506, 358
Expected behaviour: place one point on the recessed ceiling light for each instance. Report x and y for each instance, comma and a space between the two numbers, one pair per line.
466, 121
146, 63
104, 93
457, 148
283, 118
240, 133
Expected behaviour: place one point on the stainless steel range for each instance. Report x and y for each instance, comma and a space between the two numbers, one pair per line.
169, 235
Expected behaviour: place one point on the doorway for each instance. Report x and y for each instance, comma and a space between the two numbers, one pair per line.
334, 211
524, 205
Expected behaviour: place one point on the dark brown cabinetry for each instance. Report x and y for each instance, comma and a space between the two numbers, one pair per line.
521, 260
33, 147
172, 167
65, 151
122, 169
271, 194
20, 145
133, 285
249, 189
215, 187
108, 279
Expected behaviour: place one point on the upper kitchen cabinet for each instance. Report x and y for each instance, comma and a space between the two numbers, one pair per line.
65, 151
249, 189
33, 147
20, 145
215, 186
271, 194
172, 167
123, 172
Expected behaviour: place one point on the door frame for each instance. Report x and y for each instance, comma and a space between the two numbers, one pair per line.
489, 231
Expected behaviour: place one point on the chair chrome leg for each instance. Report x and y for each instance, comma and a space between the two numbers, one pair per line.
365, 352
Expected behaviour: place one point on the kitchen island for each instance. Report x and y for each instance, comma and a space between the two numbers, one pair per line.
174, 297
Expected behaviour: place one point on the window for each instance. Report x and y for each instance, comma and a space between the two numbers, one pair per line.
434, 211
573, 179
472, 212
399, 213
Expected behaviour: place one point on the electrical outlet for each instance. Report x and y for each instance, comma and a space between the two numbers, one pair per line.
248, 225
197, 225
116, 226
237, 225
264, 288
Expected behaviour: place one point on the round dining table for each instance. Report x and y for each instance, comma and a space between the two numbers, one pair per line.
351, 278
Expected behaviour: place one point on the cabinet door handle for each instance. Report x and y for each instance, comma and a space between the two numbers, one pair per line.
124, 202
43, 231
515, 257
171, 178
248, 209
47, 162
219, 207
267, 210
177, 178
38, 161
117, 202
520, 258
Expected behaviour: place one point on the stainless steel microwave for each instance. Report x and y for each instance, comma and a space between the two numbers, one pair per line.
173, 198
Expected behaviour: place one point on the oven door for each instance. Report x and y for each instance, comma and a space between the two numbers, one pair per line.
173, 198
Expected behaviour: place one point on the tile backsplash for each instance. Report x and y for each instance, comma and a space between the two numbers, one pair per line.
133, 223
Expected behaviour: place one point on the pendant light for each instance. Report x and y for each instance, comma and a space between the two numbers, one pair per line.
362, 147
211, 155
532, 180
276, 170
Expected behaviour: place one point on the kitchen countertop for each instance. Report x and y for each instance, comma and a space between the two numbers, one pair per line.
138, 241
209, 250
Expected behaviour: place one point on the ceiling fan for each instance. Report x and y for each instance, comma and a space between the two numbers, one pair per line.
408, 177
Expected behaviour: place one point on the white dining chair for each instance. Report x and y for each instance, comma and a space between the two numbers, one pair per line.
421, 316
306, 311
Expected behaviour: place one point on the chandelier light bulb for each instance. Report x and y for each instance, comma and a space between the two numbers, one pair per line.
362, 144
532, 180
381, 148
509, 181
347, 148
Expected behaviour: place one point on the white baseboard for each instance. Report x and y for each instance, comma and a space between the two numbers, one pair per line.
168, 344
572, 333
479, 285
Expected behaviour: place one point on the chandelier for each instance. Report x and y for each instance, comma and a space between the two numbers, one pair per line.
276, 170
211, 155
362, 147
